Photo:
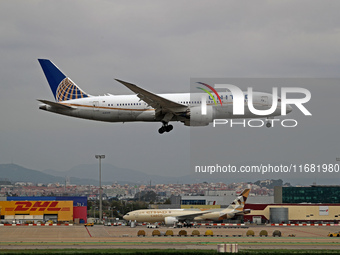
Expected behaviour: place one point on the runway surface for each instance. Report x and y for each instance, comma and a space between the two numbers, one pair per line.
80, 237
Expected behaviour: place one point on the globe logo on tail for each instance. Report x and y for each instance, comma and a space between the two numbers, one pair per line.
68, 90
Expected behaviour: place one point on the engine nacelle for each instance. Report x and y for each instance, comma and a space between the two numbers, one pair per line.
230, 215
196, 117
170, 221
246, 211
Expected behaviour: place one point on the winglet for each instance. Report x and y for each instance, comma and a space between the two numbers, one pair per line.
124, 82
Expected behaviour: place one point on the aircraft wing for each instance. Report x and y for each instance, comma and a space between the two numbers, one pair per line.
55, 104
153, 100
191, 216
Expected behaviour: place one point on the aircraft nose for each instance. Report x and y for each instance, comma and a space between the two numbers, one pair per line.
125, 217
289, 109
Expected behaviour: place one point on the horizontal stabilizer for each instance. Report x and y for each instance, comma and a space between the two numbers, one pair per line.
56, 105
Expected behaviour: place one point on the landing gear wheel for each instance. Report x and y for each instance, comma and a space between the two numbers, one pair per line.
268, 125
169, 128
165, 128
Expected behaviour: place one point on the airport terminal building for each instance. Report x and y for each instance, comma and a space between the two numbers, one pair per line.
43, 209
315, 194
313, 204
293, 213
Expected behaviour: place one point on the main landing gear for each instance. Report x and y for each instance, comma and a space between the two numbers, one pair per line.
165, 128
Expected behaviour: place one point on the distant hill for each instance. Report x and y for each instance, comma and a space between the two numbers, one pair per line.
88, 175
111, 173
15, 173
82, 175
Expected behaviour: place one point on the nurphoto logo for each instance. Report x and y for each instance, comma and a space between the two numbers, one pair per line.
241, 100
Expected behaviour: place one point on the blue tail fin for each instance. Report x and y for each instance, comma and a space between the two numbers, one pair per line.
63, 88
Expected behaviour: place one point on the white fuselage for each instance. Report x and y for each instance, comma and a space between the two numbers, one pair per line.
127, 108
170, 216
160, 215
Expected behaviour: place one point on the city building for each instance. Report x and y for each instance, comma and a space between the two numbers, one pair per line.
222, 200
327, 194
293, 213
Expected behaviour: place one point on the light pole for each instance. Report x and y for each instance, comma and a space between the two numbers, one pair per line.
94, 211
100, 157
111, 210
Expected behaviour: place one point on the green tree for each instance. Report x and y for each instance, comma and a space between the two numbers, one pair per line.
167, 201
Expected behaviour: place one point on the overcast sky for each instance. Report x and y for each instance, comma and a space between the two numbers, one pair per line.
158, 45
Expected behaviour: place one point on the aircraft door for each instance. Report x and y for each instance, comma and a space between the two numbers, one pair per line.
95, 105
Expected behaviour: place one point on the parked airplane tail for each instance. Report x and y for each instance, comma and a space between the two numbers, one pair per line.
240, 201
236, 207
63, 88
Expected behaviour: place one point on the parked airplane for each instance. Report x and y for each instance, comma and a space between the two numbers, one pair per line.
171, 216
144, 106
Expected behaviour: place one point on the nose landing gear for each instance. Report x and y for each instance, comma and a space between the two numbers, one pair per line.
165, 128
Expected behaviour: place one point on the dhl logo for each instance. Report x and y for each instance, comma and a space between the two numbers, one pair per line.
37, 206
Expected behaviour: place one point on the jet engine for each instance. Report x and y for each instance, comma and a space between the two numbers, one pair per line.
170, 221
246, 211
196, 117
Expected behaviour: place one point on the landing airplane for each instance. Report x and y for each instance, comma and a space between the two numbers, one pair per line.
144, 106
171, 216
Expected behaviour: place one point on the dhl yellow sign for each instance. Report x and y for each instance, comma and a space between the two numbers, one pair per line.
37, 206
